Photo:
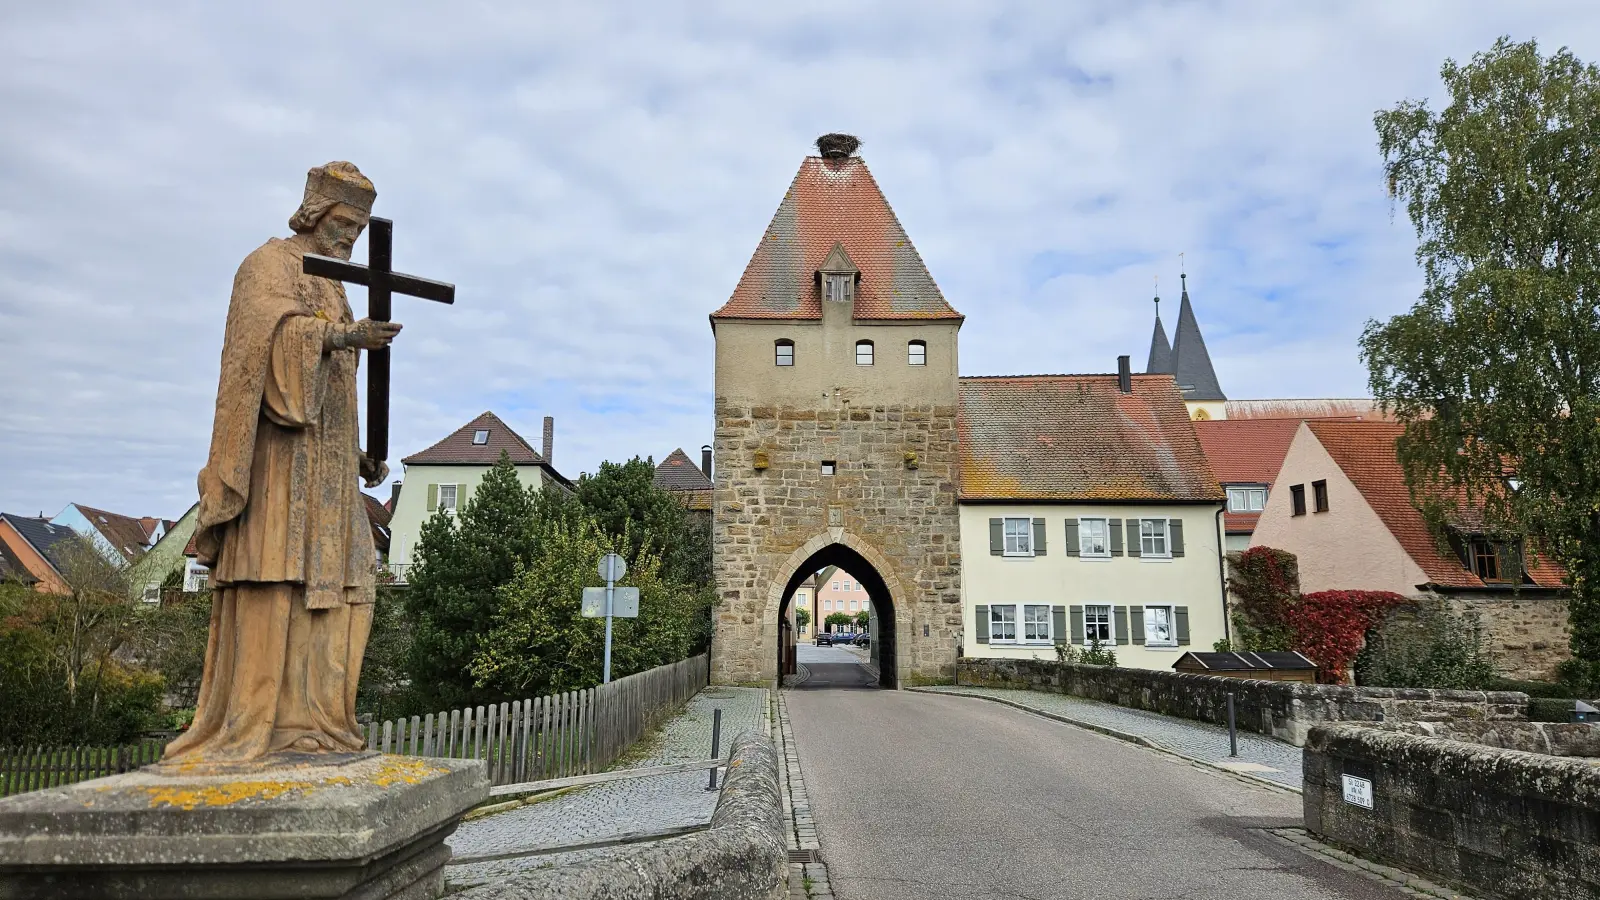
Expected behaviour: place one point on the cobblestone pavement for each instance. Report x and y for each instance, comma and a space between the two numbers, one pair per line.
1259, 756
522, 838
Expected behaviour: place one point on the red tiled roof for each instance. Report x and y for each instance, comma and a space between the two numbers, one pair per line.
458, 448
1365, 451
125, 533
1359, 408
1246, 451
1077, 437
835, 201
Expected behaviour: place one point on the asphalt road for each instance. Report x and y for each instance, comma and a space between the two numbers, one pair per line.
929, 797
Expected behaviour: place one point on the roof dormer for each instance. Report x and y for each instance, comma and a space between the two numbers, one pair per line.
838, 275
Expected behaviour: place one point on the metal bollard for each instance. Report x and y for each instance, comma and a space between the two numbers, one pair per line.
716, 744
1233, 734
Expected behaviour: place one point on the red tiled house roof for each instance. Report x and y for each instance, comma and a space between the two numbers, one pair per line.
1308, 408
459, 450
835, 201
1077, 437
1365, 452
1245, 452
127, 534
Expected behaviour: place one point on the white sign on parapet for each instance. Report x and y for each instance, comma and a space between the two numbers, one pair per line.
1358, 791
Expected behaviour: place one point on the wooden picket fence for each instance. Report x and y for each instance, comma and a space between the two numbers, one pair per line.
561, 735
36, 768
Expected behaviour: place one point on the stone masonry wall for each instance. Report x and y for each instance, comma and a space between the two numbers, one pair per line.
1525, 632
903, 520
1496, 823
1282, 709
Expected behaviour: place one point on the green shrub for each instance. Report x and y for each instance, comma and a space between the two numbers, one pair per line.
1428, 647
1531, 688
1550, 709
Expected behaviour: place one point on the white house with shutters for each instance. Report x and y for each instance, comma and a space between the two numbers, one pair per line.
445, 475
1100, 516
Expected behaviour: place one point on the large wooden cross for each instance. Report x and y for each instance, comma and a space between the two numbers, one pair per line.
382, 282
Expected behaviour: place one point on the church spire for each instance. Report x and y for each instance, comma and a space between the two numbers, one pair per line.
1160, 362
1191, 364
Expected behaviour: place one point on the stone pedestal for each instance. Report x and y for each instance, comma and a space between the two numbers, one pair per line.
372, 829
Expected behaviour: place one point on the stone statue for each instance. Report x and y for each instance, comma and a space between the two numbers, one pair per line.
281, 521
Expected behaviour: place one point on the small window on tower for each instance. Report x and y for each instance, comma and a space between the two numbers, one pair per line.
863, 353
828, 466
917, 352
839, 288
784, 348
481, 436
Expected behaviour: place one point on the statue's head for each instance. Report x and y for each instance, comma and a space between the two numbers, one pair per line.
337, 205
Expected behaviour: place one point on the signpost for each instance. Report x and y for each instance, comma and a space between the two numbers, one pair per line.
612, 568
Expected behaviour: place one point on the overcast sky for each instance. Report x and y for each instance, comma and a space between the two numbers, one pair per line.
594, 176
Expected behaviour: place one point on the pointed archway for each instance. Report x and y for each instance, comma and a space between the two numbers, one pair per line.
861, 560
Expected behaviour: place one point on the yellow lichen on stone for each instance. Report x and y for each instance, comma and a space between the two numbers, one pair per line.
225, 794
404, 770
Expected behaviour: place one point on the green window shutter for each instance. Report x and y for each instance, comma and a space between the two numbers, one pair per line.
433, 497
1115, 527
997, 537
1175, 536
1058, 624
981, 626
461, 496
1077, 624
1038, 537
1181, 615
1136, 624
1133, 537
1072, 537
1119, 615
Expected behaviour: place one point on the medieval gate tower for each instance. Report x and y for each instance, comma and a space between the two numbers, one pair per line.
836, 428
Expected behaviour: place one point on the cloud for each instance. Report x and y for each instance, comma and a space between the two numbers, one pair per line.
594, 177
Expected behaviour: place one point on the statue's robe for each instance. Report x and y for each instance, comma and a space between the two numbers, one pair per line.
282, 525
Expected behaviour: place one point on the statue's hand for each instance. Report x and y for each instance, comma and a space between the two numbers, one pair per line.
369, 335
373, 472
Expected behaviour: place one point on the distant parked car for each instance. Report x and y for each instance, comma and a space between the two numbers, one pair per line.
824, 639
863, 640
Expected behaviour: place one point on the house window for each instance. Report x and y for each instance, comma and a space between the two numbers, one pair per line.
152, 593
447, 496
828, 466
1297, 500
1158, 631
1002, 623
1093, 538
836, 585
1495, 562
1153, 537
839, 287
1319, 495
1036, 623
1242, 499
784, 350
827, 605
481, 436
1019, 537
863, 353
917, 353
1097, 624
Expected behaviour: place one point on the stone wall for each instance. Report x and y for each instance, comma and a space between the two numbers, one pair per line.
1496, 823
743, 855
897, 514
1549, 738
1280, 709
1526, 632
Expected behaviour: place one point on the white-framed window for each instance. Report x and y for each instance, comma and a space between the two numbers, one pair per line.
1002, 624
863, 353
1247, 499
1153, 538
152, 593
447, 496
1097, 624
481, 436
1094, 537
783, 350
1036, 623
1159, 627
836, 585
829, 466
838, 287
1018, 537
827, 604
917, 353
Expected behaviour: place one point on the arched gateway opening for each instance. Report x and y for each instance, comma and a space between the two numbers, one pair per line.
877, 589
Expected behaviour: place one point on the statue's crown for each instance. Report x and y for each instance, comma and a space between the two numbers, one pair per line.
343, 182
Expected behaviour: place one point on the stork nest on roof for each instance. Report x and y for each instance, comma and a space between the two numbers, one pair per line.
837, 146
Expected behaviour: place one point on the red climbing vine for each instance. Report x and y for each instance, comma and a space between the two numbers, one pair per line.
1331, 626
